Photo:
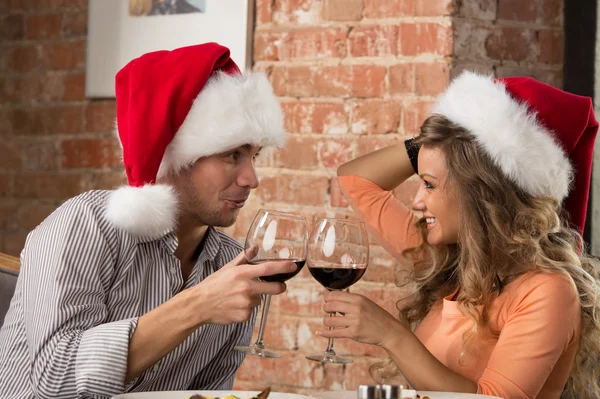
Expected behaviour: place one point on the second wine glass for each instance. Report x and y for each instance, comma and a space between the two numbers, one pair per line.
274, 236
338, 256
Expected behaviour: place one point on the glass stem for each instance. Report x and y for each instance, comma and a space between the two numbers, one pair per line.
329, 351
263, 322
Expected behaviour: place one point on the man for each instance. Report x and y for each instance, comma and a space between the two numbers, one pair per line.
134, 289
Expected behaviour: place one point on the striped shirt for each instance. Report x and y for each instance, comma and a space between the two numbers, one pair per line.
82, 287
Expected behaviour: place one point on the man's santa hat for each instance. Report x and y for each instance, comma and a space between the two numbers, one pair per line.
541, 137
174, 107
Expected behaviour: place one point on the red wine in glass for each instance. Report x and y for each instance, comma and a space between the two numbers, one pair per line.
281, 277
338, 256
337, 278
274, 236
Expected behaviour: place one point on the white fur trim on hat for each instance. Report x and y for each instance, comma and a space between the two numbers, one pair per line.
509, 132
147, 211
230, 111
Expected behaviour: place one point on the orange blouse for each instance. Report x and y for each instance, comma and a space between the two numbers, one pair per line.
538, 315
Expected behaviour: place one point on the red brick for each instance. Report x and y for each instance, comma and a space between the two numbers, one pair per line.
47, 186
414, 114
381, 266
43, 26
13, 243
40, 155
31, 216
335, 195
358, 373
294, 189
342, 10
551, 46
298, 116
67, 119
369, 144
25, 58
300, 82
296, 12
256, 368
330, 118
264, 11
74, 87
368, 81
49, 120
402, 79
552, 12
374, 41
478, 9
91, 153
388, 9
278, 79
100, 117
470, 41
515, 44
103, 180
333, 81
6, 185
12, 27
280, 332
334, 152
11, 158
376, 117
299, 153
294, 370
268, 45
8, 217
68, 55
302, 298
75, 24
517, 10
432, 79
425, 38
433, 8
316, 43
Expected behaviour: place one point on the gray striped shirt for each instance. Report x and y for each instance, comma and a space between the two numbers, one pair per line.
83, 284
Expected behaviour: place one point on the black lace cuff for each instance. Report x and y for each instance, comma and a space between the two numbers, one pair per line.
412, 150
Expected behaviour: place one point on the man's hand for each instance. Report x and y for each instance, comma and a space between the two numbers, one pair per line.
228, 295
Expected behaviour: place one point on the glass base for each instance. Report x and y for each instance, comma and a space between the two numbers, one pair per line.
257, 351
327, 358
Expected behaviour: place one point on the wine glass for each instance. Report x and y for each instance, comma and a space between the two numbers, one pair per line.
338, 256
274, 236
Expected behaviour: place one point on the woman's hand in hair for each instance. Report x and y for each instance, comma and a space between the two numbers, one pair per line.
358, 318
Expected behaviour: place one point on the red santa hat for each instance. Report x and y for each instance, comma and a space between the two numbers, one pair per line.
174, 107
541, 137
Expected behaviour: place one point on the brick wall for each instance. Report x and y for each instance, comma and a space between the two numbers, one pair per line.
352, 76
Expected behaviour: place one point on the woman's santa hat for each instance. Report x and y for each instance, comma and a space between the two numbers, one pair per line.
174, 107
541, 137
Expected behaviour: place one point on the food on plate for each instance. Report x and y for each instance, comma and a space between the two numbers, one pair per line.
263, 395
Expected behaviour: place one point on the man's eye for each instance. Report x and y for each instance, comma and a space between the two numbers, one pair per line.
234, 156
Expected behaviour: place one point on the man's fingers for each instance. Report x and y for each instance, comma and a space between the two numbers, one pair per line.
238, 260
251, 252
264, 288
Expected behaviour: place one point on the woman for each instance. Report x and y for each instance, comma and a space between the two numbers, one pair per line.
503, 303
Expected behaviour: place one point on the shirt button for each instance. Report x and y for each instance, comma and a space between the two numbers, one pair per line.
173, 270
155, 368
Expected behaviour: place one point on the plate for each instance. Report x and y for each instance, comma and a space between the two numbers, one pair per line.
431, 394
214, 394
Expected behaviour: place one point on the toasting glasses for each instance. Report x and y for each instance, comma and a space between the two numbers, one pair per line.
338, 256
274, 236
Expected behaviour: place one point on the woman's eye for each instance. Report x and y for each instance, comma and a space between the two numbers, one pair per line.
428, 185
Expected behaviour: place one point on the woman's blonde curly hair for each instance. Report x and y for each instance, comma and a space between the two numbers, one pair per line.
500, 226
